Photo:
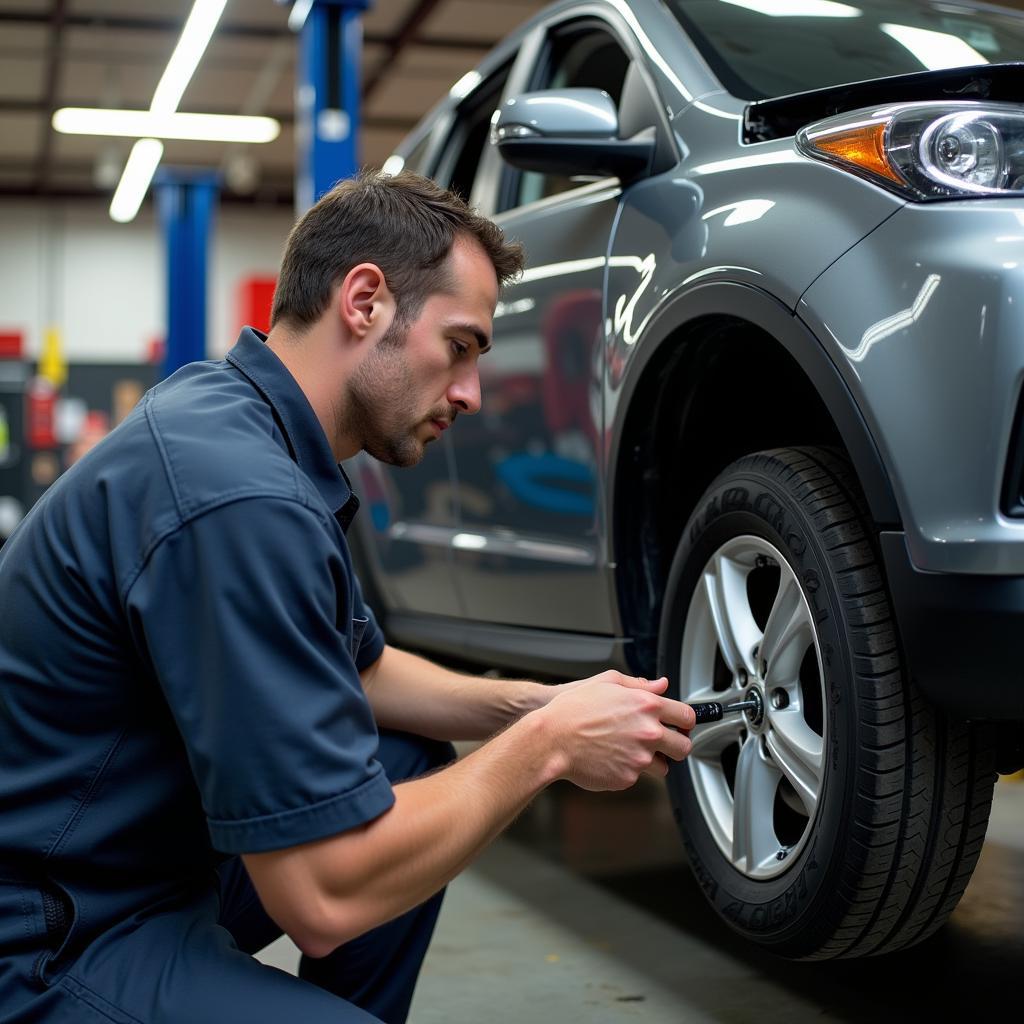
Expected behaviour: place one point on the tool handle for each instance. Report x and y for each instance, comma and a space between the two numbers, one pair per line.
708, 711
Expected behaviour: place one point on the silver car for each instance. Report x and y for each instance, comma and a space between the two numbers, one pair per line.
753, 420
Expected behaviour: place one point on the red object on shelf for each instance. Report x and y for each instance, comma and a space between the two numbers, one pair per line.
40, 409
11, 344
155, 351
255, 298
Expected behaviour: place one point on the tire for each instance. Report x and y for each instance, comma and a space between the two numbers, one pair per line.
848, 819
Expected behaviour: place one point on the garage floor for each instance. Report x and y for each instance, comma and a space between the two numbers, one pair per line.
583, 912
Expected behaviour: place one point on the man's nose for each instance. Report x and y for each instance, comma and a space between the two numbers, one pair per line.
464, 392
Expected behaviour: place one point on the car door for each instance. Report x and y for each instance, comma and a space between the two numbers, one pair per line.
531, 549
413, 512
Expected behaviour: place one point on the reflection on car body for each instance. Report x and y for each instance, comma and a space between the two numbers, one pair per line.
752, 419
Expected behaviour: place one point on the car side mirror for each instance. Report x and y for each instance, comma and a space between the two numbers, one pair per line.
570, 132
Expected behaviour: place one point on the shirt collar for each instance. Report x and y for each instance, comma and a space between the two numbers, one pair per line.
307, 442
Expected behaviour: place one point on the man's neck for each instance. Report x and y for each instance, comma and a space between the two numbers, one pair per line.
311, 358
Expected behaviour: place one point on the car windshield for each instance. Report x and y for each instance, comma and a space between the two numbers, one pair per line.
761, 48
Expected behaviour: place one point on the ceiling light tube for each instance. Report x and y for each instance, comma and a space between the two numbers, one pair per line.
195, 36
298, 14
140, 124
138, 172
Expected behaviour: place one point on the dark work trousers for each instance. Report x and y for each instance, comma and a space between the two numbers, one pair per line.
193, 965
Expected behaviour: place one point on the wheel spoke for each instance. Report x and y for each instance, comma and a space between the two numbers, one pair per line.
737, 632
787, 633
796, 750
711, 739
753, 833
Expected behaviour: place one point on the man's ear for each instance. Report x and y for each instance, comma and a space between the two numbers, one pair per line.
364, 301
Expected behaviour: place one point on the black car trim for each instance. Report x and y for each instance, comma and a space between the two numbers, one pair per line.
522, 648
744, 302
786, 115
973, 672
1013, 475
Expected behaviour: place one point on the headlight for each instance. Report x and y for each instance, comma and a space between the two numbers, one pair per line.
927, 150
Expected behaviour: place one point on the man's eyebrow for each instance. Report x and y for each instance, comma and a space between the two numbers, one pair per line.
483, 342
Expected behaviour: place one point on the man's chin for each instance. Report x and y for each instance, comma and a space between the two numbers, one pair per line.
403, 456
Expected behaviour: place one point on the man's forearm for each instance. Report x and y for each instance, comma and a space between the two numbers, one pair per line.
413, 694
600, 733
329, 891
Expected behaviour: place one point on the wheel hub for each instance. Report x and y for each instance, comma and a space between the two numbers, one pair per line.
755, 716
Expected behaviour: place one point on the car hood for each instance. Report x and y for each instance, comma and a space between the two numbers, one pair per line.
785, 115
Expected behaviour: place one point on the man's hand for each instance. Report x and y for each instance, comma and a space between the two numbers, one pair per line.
612, 728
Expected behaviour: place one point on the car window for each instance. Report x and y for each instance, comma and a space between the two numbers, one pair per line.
581, 58
417, 155
460, 159
759, 49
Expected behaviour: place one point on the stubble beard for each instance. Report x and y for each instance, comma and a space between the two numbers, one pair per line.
375, 404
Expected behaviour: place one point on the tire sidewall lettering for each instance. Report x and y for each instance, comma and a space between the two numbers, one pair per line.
775, 907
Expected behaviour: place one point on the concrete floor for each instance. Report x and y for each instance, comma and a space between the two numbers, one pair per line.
583, 912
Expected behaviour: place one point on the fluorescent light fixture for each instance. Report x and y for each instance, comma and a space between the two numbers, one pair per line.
138, 172
146, 153
935, 50
195, 36
798, 8
298, 14
145, 124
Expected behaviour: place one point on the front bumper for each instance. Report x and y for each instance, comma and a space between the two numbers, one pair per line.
924, 320
961, 635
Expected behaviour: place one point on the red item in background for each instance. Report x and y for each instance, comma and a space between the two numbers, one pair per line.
255, 297
40, 408
10, 344
155, 351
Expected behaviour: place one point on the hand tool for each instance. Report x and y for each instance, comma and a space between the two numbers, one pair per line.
713, 711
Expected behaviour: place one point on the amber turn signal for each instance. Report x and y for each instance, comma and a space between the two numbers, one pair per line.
861, 145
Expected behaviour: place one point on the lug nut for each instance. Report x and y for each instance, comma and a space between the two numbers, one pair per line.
780, 699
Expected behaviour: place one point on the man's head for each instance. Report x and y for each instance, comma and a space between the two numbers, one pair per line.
405, 278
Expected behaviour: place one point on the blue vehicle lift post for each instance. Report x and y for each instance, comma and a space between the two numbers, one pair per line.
186, 201
327, 97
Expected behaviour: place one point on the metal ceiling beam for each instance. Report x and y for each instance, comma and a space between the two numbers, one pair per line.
228, 30
58, 14
406, 34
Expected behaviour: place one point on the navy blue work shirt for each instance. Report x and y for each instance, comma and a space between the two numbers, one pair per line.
181, 636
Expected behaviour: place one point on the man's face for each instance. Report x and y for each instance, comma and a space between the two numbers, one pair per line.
420, 376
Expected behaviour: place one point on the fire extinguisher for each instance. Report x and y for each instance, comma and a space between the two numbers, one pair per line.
40, 414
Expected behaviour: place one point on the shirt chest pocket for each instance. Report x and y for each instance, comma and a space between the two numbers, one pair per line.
358, 629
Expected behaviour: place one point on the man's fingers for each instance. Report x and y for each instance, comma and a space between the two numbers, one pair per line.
658, 768
675, 745
675, 712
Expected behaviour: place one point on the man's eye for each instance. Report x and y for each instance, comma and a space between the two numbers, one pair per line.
459, 348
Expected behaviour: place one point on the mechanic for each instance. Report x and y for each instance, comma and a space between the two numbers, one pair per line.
203, 735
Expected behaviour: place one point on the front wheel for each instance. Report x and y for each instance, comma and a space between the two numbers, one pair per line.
843, 816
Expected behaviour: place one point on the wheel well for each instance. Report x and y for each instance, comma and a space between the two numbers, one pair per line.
717, 389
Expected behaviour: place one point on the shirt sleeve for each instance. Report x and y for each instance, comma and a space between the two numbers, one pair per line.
246, 616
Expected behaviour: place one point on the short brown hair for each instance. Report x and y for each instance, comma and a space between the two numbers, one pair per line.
403, 223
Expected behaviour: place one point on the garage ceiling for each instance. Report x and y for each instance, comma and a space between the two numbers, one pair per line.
111, 53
